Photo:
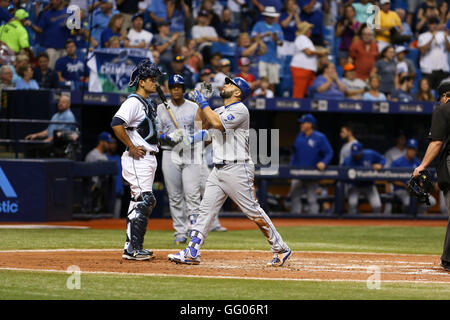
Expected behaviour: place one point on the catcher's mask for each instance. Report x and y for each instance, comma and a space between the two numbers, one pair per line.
145, 69
420, 187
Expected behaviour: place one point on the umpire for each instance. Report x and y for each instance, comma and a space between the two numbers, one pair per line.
440, 142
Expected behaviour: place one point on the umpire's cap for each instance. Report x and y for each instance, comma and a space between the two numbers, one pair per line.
176, 79
443, 87
307, 118
145, 69
242, 85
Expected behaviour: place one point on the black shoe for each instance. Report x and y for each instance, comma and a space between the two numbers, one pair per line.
136, 255
445, 265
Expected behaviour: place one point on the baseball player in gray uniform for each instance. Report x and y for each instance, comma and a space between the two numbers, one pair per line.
182, 176
233, 172
134, 124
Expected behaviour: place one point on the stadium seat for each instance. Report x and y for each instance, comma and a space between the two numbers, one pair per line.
227, 49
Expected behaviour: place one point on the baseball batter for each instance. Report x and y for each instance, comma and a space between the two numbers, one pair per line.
233, 173
135, 126
181, 175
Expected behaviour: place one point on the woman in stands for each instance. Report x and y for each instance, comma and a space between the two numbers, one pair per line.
374, 93
424, 92
252, 50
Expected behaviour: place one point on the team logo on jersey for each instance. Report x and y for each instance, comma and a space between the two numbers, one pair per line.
311, 143
230, 117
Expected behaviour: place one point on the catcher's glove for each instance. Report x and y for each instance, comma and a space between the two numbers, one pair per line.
419, 187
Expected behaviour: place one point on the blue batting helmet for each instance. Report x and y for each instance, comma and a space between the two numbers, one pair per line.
145, 69
176, 79
242, 85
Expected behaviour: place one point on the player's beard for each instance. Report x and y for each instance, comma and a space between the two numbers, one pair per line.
226, 94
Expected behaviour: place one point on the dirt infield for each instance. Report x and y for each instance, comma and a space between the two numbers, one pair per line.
239, 264
246, 224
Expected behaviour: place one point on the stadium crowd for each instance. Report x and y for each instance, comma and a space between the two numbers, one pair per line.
330, 49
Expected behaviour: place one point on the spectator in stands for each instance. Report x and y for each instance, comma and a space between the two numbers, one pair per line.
64, 114
444, 13
193, 57
312, 12
363, 158
163, 80
70, 67
355, 87
204, 34
424, 92
21, 60
228, 30
374, 93
403, 93
6, 76
362, 10
404, 65
177, 13
26, 81
251, 48
206, 76
406, 29
102, 12
5, 15
408, 160
272, 35
45, 76
427, 10
14, 34
137, 36
214, 10
289, 21
113, 42
219, 78
396, 151
127, 8
311, 150
386, 68
348, 137
164, 43
236, 7
388, 20
244, 72
179, 67
52, 27
263, 90
327, 84
434, 46
214, 65
304, 62
158, 12
412, 10
364, 53
114, 29
346, 29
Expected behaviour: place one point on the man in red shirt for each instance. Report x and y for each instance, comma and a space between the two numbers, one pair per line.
364, 53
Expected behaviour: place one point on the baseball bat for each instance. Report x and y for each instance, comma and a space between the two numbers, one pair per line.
166, 104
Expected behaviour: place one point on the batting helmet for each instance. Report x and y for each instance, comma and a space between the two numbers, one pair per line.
242, 85
176, 79
145, 69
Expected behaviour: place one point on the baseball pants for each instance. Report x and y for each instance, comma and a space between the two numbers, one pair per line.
370, 192
183, 187
446, 252
296, 192
205, 172
236, 181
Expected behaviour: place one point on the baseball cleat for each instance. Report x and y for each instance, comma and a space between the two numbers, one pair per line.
277, 261
445, 265
137, 255
180, 240
220, 229
184, 257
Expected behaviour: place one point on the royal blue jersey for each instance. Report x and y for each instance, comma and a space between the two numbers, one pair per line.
55, 31
71, 68
402, 162
368, 159
309, 150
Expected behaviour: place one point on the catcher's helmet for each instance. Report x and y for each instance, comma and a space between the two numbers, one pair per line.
145, 69
176, 79
241, 84
419, 187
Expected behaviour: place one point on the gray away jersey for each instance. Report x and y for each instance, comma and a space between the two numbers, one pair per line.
233, 143
184, 114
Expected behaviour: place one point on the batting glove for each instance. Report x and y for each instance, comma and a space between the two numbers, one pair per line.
200, 99
176, 136
202, 135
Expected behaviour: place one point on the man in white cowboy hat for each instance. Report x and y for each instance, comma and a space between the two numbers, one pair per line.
272, 34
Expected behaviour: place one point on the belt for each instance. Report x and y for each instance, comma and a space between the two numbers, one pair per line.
152, 153
221, 165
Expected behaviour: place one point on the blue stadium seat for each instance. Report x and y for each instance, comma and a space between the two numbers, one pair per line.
227, 49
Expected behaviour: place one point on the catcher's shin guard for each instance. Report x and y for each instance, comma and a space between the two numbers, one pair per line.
137, 220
